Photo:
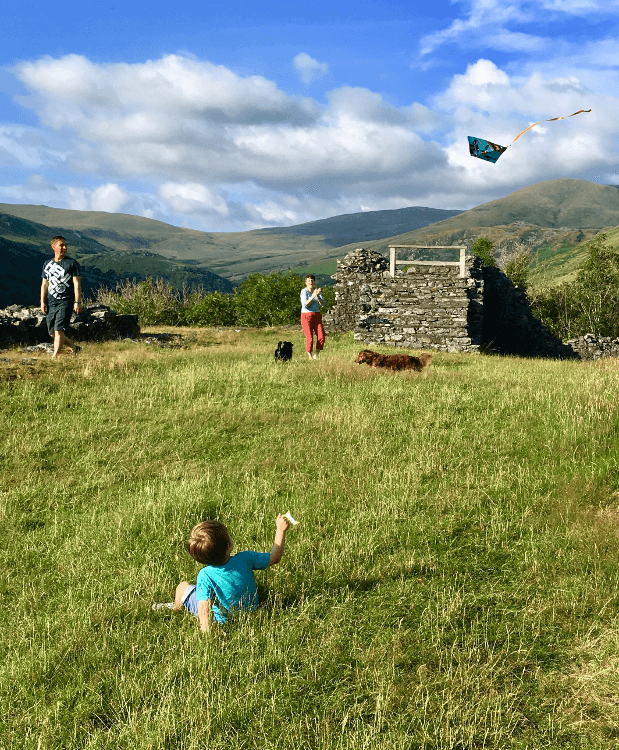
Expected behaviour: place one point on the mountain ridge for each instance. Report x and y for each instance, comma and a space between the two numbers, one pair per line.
553, 214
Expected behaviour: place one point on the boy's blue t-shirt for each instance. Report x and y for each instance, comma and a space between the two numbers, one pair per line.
232, 585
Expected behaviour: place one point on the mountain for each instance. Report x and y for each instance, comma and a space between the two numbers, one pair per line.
24, 246
230, 254
549, 217
552, 218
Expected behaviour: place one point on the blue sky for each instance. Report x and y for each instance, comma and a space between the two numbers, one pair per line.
227, 116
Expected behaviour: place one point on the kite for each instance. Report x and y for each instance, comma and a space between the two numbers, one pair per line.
489, 151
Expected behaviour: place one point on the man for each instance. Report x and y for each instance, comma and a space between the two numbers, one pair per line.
61, 294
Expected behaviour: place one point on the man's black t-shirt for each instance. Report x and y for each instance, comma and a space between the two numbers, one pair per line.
59, 275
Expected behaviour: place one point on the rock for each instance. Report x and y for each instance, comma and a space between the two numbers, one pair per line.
28, 327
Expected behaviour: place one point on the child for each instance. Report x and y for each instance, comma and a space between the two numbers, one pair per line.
227, 582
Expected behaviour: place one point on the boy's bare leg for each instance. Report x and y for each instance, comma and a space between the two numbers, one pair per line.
178, 597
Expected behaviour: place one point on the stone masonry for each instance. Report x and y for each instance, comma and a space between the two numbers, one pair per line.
432, 307
422, 307
27, 325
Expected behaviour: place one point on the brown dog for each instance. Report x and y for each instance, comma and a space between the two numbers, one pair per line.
394, 361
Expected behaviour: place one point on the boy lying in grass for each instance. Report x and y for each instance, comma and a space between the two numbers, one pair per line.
227, 582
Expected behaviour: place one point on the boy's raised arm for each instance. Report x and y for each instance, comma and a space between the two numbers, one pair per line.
277, 550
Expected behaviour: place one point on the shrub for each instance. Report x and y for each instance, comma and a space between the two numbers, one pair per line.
260, 301
214, 309
590, 304
154, 301
482, 248
557, 308
269, 300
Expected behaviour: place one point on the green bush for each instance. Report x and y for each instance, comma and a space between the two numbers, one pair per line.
556, 307
590, 304
260, 301
482, 248
154, 301
517, 269
213, 309
269, 300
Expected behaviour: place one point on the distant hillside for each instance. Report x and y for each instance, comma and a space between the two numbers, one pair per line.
561, 264
362, 227
24, 245
551, 217
230, 254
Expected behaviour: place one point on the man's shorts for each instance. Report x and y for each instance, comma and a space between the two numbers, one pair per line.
59, 315
189, 600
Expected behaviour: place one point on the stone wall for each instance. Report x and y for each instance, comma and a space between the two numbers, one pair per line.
590, 346
509, 326
27, 325
420, 307
431, 307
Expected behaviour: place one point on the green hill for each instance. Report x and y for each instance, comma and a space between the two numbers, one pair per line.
24, 245
553, 218
230, 254
554, 266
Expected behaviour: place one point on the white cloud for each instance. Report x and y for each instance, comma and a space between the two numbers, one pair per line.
193, 143
192, 198
486, 24
308, 68
188, 122
29, 148
73, 92
109, 197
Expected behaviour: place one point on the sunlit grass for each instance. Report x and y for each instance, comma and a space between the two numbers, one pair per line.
452, 582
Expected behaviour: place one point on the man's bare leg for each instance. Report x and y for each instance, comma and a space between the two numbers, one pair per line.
60, 341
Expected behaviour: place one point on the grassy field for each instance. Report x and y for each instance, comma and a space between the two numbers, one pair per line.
452, 582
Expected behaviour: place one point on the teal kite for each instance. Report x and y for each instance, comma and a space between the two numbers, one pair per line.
489, 151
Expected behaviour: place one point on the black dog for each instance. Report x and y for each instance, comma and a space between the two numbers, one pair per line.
283, 353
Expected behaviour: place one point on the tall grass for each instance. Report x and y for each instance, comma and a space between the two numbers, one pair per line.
452, 582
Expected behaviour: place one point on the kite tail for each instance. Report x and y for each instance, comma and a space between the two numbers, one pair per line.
552, 119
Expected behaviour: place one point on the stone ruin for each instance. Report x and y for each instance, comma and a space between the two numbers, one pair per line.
26, 326
437, 306
590, 347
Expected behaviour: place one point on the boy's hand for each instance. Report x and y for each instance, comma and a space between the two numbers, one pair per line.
277, 550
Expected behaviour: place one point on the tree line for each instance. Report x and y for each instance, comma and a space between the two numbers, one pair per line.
589, 304
259, 301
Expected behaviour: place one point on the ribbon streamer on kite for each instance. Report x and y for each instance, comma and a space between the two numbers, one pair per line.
489, 151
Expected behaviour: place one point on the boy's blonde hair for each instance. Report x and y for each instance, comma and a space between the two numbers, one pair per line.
210, 543
54, 240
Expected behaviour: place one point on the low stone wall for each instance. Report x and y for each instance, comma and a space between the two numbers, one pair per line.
590, 346
27, 326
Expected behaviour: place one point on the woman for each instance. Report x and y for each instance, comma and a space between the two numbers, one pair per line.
311, 317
